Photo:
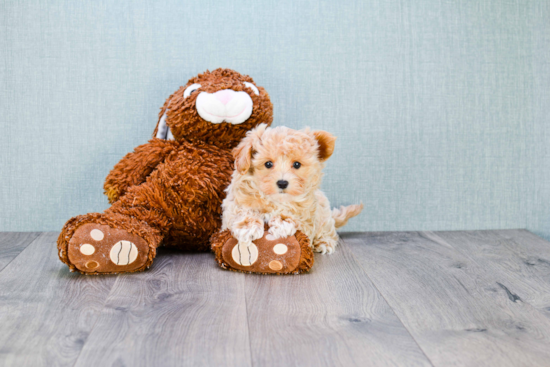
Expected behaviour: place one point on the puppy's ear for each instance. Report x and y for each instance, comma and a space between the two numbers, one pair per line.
243, 155
326, 143
243, 152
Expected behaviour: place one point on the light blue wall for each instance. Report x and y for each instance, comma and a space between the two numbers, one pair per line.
442, 108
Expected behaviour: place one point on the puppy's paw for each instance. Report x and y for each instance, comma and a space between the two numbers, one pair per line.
327, 248
248, 230
279, 228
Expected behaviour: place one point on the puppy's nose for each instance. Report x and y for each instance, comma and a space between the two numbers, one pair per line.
224, 96
282, 184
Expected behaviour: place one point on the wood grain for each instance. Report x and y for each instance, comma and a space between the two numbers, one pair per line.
518, 257
12, 243
476, 298
459, 312
46, 312
333, 316
184, 311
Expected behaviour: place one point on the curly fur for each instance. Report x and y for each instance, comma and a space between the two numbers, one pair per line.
254, 197
170, 191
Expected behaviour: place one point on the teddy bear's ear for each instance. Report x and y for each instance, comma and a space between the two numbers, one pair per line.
162, 131
243, 151
326, 143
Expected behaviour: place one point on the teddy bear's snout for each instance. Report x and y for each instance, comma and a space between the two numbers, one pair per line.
224, 106
224, 96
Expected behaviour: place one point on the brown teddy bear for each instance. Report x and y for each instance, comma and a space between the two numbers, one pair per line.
170, 190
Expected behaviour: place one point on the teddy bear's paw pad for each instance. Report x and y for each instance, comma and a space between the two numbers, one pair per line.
98, 248
123, 253
265, 255
245, 255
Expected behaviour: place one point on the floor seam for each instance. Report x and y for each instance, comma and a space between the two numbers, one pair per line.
387, 302
101, 313
247, 321
38, 234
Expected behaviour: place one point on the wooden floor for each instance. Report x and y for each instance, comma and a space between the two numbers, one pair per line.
383, 299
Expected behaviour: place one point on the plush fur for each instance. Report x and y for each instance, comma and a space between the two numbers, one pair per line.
255, 197
170, 191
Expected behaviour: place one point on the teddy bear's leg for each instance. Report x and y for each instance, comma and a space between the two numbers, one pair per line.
107, 243
122, 239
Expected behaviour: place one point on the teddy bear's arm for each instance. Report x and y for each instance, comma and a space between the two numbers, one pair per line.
134, 167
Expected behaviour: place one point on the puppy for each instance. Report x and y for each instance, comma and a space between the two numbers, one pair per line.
276, 181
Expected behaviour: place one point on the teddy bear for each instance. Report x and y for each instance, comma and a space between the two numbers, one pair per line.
169, 191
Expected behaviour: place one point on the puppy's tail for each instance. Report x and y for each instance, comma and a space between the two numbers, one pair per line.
344, 213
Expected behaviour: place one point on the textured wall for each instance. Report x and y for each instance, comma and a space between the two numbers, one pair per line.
442, 108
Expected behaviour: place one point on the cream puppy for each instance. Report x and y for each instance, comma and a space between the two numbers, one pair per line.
276, 181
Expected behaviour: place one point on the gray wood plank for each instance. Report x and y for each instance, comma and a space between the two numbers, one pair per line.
12, 243
184, 311
333, 316
46, 312
520, 258
459, 312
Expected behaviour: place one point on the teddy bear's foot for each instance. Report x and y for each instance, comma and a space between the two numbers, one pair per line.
289, 255
99, 248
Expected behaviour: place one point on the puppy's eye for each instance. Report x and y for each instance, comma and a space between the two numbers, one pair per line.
268, 164
190, 89
297, 165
